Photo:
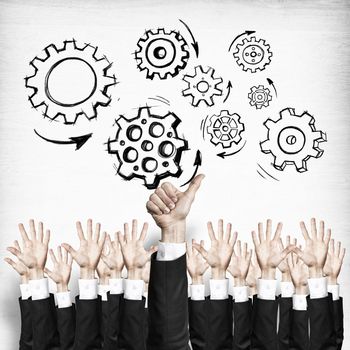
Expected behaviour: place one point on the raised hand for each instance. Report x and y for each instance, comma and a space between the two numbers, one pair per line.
283, 266
299, 274
169, 208
334, 262
268, 250
219, 255
314, 254
19, 267
239, 265
89, 252
113, 257
254, 273
62, 268
34, 252
134, 253
196, 265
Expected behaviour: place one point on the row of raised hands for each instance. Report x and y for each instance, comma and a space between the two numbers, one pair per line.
111, 312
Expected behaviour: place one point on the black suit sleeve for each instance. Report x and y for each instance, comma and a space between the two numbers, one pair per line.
338, 322
299, 330
285, 310
26, 338
112, 326
45, 336
322, 335
242, 320
264, 328
104, 315
87, 329
66, 327
198, 323
168, 305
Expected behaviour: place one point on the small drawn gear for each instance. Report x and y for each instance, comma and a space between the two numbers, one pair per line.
86, 56
252, 54
162, 53
202, 86
225, 129
292, 139
148, 147
259, 96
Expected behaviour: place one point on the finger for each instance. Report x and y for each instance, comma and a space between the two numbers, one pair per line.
290, 262
97, 232
17, 246
233, 239
126, 232
287, 241
328, 236
101, 241
53, 257
165, 198
69, 259
46, 239
298, 252
65, 255
48, 272
170, 191
286, 251
342, 254
321, 231
277, 235
201, 250
159, 203
331, 246
11, 262
211, 231
220, 229
260, 232
121, 239
294, 258
23, 232
228, 232
189, 249
255, 239
80, 231
239, 248
40, 231
152, 250
153, 209
313, 228
144, 232
109, 242
15, 252
268, 229
337, 249
304, 231
70, 250
32, 229
244, 251
195, 184
134, 230
249, 255
59, 253
89, 230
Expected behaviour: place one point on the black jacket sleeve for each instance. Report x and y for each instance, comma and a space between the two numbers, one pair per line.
264, 324
66, 327
26, 338
198, 323
285, 310
338, 315
242, 321
45, 336
168, 305
299, 330
113, 321
104, 315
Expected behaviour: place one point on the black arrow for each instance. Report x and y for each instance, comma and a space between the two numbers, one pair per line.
78, 140
229, 86
197, 163
247, 32
194, 43
272, 84
224, 154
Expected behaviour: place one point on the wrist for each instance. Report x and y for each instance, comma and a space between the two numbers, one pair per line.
62, 287
135, 274
286, 277
116, 274
332, 280
268, 273
175, 233
87, 273
104, 280
197, 279
315, 272
36, 274
239, 282
301, 290
253, 290
24, 279
218, 274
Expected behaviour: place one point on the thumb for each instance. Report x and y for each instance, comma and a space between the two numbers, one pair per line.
69, 249
152, 250
48, 272
195, 184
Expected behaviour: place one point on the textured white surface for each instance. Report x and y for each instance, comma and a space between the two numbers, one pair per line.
310, 43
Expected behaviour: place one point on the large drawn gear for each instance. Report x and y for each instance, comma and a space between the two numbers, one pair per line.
202, 86
54, 56
148, 147
225, 129
259, 96
162, 53
292, 139
252, 54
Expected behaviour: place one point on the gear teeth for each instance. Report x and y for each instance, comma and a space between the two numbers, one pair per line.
265, 146
269, 123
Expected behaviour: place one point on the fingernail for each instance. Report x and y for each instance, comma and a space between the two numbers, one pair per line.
172, 206
167, 210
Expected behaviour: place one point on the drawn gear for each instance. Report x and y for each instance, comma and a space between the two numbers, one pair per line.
70, 111
253, 55
202, 86
225, 129
259, 96
292, 139
162, 53
148, 147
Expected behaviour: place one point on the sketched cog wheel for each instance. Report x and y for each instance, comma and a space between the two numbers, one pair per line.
148, 147
225, 129
292, 139
259, 96
202, 86
162, 53
70, 81
253, 55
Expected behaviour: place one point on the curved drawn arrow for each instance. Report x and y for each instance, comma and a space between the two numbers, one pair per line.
194, 42
79, 141
197, 163
229, 86
247, 32
224, 154
272, 84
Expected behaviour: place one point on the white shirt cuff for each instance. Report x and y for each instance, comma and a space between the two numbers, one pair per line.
267, 289
116, 285
335, 290
240, 294
299, 302
145, 295
25, 291
87, 289
133, 289
170, 251
102, 290
63, 300
197, 291
39, 289
287, 289
218, 289
317, 287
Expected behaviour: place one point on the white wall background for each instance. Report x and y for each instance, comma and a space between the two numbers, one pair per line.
310, 43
